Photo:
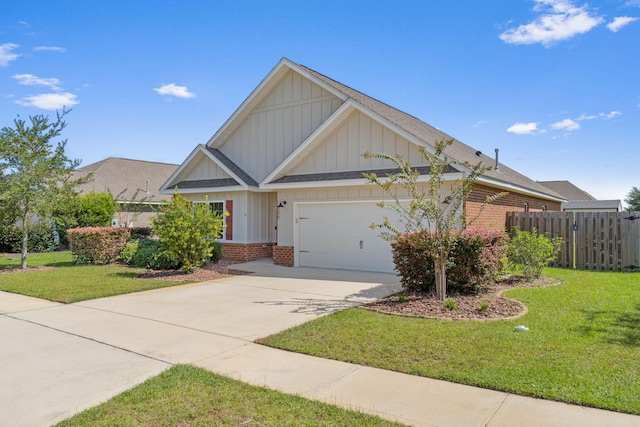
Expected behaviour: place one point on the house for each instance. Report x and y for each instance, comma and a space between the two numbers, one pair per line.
135, 184
579, 200
287, 166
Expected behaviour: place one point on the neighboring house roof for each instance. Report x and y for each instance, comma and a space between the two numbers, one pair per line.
283, 174
115, 175
568, 190
586, 205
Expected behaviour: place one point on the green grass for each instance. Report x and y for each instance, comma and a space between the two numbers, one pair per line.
583, 345
73, 283
186, 395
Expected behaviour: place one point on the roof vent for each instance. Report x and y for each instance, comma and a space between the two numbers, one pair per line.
147, 190
497, 168
478, 153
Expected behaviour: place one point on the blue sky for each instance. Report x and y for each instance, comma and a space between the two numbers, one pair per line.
553, 84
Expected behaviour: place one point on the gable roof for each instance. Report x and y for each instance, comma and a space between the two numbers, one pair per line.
115, 175
427, 134
403, 124
568, 190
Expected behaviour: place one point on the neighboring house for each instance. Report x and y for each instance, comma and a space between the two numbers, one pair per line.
592, 206
579, 200
135, 185
287, 166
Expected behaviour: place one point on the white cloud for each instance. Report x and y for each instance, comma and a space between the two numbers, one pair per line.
50, 48
49, 101
566, 124
32, 80
619, 22
6, 53
611, 115
586, 117
172, 89
524, 128
560, 20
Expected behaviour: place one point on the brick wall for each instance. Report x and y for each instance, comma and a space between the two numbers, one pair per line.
245, 252
494, 215
283, 255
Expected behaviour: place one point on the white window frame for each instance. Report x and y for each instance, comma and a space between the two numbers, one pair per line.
224, 218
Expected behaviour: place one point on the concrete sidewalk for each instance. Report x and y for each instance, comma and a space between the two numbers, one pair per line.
58, 360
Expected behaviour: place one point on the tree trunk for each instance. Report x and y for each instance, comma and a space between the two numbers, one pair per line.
441, 277
25, 240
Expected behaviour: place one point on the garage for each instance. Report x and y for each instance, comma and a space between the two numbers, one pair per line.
337, 235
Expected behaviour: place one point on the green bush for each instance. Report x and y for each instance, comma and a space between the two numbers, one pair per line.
531, 252
95, 210
138, 233
216, 254
147, 253
188, 230
39, 239
473, 262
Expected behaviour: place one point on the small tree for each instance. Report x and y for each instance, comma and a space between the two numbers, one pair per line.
633, 199
33, 171
532, 252
188, 230
431, 211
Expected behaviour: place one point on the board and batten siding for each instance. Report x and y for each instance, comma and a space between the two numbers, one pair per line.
342, 150
254, 214
367, 192
284, 119
205, 169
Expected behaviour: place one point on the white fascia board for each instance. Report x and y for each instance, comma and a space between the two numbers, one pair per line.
262, 89
228, 189
347, 182
181, 168
295, 67
519, 189
332, 122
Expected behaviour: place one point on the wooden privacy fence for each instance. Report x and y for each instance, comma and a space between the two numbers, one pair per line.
590, 240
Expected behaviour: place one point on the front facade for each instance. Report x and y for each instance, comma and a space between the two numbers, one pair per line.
288, 165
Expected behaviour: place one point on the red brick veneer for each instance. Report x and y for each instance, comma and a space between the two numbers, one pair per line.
494, 215
283, 255
245, 252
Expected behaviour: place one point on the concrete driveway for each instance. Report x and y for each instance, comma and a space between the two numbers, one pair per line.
57, 360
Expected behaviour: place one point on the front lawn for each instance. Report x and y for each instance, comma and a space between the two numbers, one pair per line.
186, 395
67, 283
582, 347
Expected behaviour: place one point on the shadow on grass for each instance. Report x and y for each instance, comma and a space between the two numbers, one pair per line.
614, 328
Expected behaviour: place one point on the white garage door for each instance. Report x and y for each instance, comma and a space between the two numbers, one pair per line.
337, 235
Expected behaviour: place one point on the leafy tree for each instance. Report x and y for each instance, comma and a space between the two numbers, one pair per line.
633, 199
34, 172
95, 210
188, 230
429, 210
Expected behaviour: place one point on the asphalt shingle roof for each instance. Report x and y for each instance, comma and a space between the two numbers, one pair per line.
568, 190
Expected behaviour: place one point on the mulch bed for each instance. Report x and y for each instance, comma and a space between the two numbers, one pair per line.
468, 307
209, 272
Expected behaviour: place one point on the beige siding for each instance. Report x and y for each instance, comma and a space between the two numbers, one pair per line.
261, 227
254, 214
239, 210
205, 169
286, 117
342, 150
369, 192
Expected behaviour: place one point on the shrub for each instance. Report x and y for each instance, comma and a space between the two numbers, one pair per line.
216, 254
473, 261
531, 252
451, 304
97, 245
147, 253
188, 231
138, 233
40, 238
95, 210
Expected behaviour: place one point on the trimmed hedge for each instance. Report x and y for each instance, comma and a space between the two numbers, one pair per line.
474, 261
39, 239
97, 245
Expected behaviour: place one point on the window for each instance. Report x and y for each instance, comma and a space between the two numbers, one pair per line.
218, 208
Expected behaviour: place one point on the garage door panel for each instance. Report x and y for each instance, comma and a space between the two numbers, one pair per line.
338, 235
